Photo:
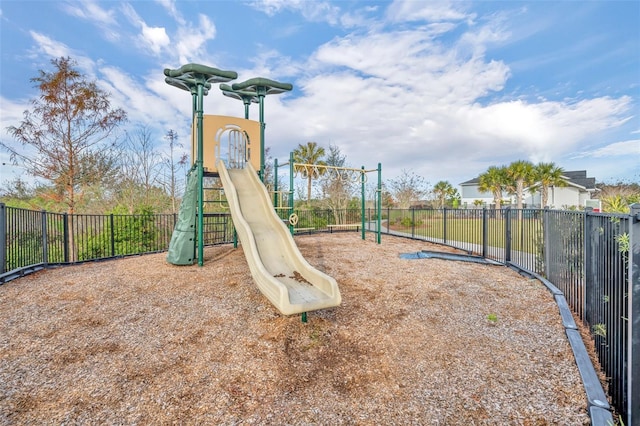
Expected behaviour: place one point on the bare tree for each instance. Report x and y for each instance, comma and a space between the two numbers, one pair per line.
140, 182
408, 188
64, 137
173, 167
337, 186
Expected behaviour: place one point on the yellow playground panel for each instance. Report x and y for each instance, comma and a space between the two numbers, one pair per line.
220, 136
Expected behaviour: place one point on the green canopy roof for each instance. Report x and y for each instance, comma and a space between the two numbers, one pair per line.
270, 87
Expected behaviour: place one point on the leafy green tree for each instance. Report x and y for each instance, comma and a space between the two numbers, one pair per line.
494, 180
443, 190
309, 154
546, 176
131, 234
614, 204
521, 173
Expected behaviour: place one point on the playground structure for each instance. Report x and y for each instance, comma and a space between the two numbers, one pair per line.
335, 173
277, 267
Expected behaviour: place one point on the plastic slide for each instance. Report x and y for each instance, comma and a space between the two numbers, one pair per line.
277, 267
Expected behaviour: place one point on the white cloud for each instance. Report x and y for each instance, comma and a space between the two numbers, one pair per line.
155, 37
429, 11
170, 6
54, 49
412, 102
314, 11
191, 40
150, 38
418, 97
49, 46
90, 11
630, 148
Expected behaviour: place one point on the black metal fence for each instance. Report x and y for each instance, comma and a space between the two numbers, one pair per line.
588, 256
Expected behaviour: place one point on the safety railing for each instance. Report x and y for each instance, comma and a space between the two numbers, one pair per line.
587, 255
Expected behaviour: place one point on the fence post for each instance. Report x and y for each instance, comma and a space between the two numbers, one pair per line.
506, 214
3, 238
588, 266
388, 220
444, 225
113, 237
413, 223
45, 240
65, 224
485, 231
546, 233
633, 369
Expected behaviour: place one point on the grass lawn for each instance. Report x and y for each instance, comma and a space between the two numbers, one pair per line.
526, 234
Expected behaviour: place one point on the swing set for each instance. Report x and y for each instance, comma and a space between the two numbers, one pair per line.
329, 172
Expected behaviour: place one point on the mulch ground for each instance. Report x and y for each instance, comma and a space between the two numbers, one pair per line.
140, 341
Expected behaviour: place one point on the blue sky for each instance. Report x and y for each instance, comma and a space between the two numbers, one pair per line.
440, 89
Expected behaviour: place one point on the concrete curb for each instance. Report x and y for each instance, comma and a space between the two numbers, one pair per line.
599, 408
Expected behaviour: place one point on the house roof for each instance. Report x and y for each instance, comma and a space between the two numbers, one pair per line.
579, 177
473, 181
574, 178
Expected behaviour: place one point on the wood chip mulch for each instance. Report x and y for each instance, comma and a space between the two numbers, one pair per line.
140, 341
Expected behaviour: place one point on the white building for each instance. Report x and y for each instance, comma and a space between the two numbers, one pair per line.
579, 188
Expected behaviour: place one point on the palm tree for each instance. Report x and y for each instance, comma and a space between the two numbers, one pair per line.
546, 176
442, 190
521, 173
309, 154
494, 180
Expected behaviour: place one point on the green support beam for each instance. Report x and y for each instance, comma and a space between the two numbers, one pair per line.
197, 79
246, 97
261, 87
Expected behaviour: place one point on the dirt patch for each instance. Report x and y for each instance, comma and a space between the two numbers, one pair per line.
425, 341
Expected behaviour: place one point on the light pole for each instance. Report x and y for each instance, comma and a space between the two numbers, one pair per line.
261, 87
197, 80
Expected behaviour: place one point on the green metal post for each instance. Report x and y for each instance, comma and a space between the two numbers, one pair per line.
379, 206
194, 127
275, 184
362, 202
260, 87
3, 239
291, 187
197, 79
261, 93
200, 166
